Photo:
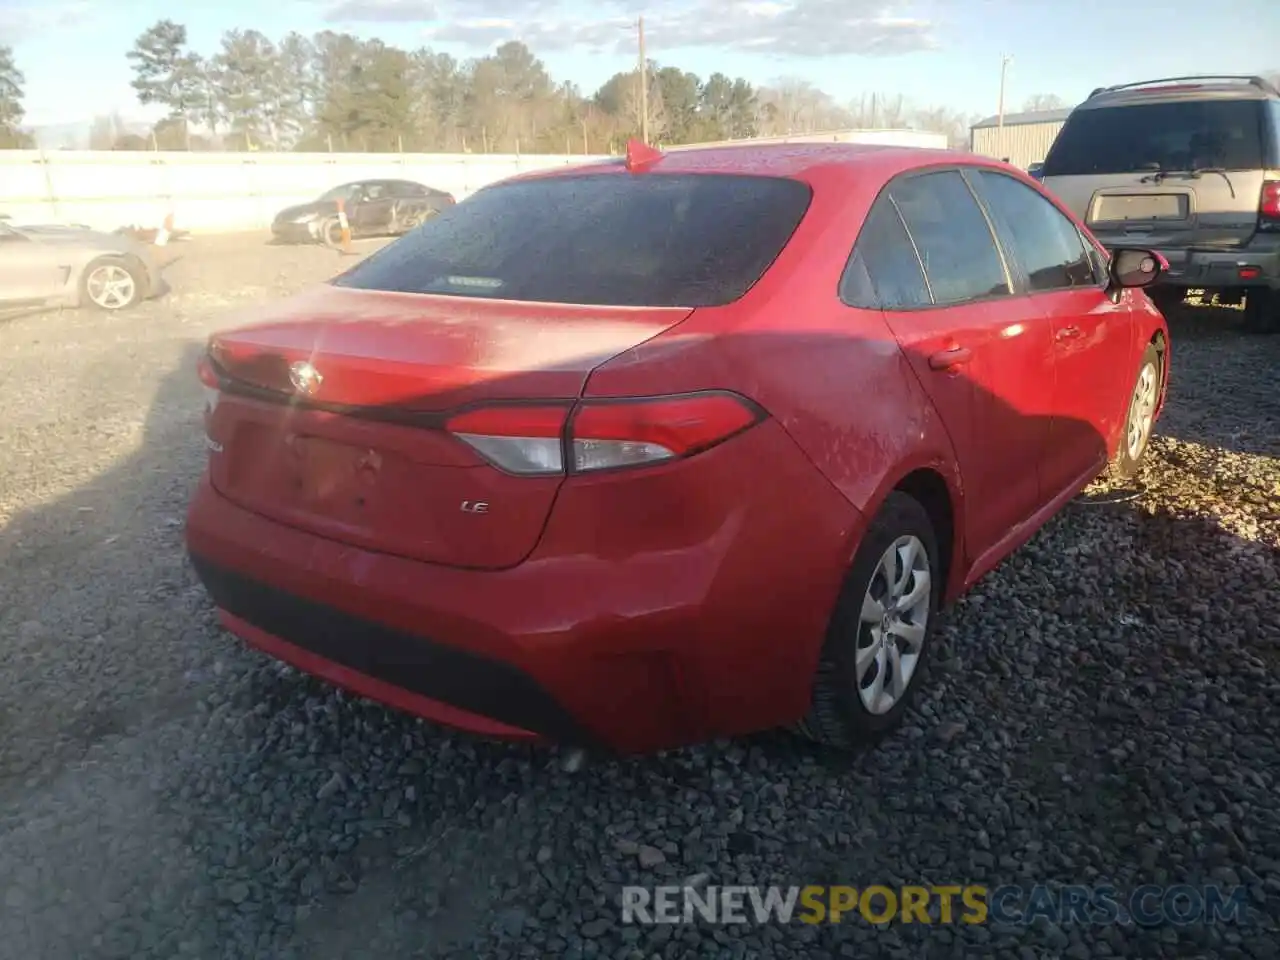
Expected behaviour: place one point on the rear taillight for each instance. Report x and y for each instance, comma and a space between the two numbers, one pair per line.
1269, 205
602, 434
209, 381
515, 438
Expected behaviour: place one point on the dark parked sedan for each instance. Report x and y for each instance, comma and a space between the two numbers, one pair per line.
374, 208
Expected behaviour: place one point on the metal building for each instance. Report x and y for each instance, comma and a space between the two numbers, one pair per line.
1024, 139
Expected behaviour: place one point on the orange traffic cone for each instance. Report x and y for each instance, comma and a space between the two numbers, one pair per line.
344, 226
165, 231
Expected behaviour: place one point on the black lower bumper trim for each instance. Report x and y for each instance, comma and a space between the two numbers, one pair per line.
450, 675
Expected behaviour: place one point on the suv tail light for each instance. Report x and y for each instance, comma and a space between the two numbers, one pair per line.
602, 434
1269, 205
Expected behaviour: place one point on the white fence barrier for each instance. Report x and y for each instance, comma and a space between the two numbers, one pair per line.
208, 192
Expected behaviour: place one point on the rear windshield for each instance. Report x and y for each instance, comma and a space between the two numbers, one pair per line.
1170, 136
602, 239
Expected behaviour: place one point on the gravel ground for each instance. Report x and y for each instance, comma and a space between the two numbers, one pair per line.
1103, 712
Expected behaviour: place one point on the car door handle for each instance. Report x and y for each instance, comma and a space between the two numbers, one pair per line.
1068, 333
949, 359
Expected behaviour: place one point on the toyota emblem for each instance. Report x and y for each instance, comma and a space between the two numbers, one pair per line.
305, 378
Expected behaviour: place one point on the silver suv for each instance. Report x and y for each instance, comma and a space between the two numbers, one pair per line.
1189, 166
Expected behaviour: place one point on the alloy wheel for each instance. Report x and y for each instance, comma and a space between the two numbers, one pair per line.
1142, 409
892, 625
111, 287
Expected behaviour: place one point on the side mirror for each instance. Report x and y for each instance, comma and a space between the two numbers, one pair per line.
1136, 268
1036, 171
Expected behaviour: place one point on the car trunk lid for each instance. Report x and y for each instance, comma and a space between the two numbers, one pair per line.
334, 404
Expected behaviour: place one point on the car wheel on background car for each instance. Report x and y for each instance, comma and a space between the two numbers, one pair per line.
331, 233
1167, 300
111, 283
1139, 420
1262, 311
877, 645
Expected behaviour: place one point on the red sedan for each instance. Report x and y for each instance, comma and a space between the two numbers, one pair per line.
646, 452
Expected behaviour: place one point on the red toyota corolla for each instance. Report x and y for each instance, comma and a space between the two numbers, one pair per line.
640, 453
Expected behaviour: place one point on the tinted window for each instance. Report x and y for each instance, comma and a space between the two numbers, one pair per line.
1274, 159
611, 238
401, 188
374, 191
952, 236
344, 192
1174, 136
884, 270
1044, 242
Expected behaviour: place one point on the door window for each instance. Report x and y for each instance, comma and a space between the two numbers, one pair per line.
884, 270
959, 254
1046, 244
402, 188
374, 191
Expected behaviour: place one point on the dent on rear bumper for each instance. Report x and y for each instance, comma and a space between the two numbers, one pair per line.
635, 629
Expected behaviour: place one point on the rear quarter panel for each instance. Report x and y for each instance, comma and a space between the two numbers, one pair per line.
833, 376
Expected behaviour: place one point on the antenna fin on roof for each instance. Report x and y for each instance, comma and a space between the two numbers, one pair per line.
641, 155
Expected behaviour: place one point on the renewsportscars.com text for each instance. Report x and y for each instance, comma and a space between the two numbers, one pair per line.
1151, 905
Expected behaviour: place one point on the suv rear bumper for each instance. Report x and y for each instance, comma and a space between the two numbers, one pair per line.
1255, 266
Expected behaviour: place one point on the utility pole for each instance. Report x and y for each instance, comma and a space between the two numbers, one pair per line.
644, 84
1004, 69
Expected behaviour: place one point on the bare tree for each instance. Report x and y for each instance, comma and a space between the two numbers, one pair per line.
1043, 101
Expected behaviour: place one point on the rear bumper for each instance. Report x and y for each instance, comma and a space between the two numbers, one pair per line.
695, 627
406, 670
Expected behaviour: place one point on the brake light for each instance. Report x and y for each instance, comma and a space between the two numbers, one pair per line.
602, 434
1269, 205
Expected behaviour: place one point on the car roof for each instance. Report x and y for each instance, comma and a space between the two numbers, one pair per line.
1181, 89
791, 160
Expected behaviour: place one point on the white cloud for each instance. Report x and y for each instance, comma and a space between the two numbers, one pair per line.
380, 11
798, 28
20, 19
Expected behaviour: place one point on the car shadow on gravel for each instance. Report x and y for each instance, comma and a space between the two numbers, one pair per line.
1101, 710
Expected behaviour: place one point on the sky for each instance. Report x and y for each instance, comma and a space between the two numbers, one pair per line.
934, 52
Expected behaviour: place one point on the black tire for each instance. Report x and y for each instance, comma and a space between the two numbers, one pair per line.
1262, 311
1125, 464
114, 266
331, 233
1168, 300
837, 716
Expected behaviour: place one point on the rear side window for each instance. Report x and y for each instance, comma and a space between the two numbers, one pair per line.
1166, 136
952, 236
884, 270
617, 239
400, 188
1045, 243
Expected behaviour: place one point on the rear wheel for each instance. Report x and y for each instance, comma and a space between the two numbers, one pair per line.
878, 643
331, 233
1167, 299
1139, 420
111, 283
1262, 311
